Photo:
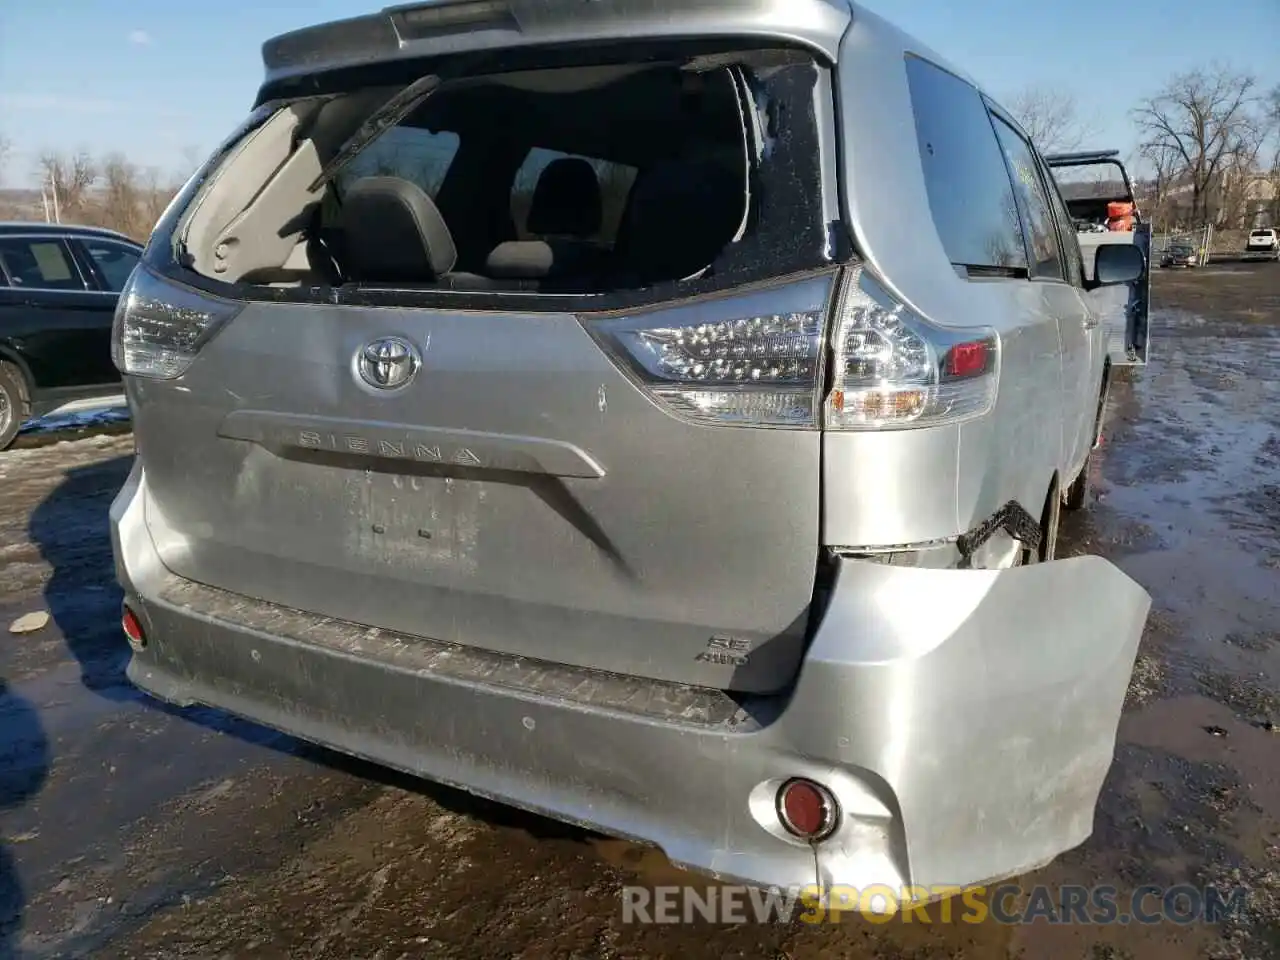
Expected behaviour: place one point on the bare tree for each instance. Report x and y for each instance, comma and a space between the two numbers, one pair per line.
121, 197
110, 191
1051, 118
129, 198
156, 194
1236, 189
5, 149
1270, 122
1203, 119
70, 176
1160, 202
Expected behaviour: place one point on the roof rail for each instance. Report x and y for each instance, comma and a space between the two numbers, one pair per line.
41, 226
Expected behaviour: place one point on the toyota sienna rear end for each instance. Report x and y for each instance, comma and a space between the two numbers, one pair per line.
559, 401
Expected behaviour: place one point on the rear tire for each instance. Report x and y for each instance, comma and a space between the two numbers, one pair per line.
14, 405
1077, 495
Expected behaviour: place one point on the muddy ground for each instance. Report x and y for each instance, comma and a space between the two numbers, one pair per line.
133, 830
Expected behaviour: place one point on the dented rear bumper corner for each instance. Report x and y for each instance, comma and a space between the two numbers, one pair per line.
980, 706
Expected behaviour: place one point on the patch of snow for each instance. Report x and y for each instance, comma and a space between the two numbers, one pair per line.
80, 416
64, 453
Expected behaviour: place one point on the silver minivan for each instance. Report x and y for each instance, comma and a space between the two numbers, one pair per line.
651, 413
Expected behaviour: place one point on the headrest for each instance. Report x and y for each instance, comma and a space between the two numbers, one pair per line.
539, 259
521, 260
679, 217
566, 201
393, 233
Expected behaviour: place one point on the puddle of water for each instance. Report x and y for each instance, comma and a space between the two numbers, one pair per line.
1186, 464
1187, 726
1193, 457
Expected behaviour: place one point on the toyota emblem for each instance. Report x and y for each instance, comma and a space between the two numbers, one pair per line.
387, 363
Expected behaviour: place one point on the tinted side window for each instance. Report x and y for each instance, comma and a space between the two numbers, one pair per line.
1066, 230
411, 153
114, 262
39, 263
1037, 216
969, 192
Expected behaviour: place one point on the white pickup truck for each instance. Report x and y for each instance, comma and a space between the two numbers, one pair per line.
1099, 196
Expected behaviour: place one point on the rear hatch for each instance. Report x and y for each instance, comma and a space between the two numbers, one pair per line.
617, 469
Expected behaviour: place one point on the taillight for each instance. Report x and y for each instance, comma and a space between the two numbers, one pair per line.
758, 367
891, 369
160, 326
763, 364
133, 630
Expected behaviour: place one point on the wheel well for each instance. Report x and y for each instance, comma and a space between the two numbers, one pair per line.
7, 355
1049, 519
1102, 399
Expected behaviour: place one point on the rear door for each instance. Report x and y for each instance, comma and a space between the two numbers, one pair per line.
55, 313
1088, 182
108, 262
1057, 269
1095, 332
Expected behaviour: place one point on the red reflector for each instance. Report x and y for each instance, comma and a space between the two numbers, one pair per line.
806, 809
967, 359
132, 628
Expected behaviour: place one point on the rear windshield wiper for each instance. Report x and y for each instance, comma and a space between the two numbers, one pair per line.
377, 123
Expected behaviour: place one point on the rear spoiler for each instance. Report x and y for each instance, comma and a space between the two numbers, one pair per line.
342, 43
441, 27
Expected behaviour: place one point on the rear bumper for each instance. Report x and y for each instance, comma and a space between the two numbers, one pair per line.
964, 719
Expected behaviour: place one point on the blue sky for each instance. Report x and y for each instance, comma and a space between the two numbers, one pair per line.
165, 81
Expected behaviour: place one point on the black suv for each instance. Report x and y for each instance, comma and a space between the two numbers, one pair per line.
58, 290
